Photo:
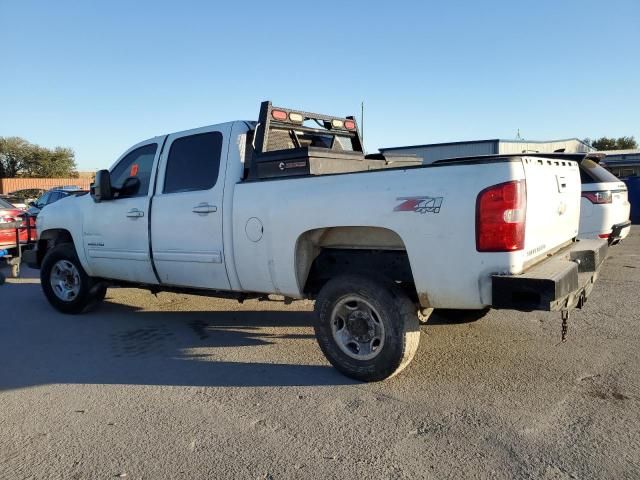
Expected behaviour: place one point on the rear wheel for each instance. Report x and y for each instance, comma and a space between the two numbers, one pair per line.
367, 329
64, 282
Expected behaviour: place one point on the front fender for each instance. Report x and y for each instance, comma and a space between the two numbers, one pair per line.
66, 215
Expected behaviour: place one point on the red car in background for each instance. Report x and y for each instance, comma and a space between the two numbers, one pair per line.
10, 214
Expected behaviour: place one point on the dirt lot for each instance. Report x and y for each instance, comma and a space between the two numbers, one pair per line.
188, 387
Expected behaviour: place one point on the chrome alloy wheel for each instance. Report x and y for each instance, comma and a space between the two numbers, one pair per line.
357, 328
65, 280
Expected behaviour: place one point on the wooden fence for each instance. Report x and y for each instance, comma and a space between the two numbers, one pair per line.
12, 184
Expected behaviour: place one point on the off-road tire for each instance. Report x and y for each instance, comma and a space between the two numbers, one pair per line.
394, 309
84, 298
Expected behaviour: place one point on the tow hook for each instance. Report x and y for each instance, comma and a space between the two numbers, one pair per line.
565, 326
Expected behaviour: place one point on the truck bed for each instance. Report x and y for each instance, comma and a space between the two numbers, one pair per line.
440, 239
327, 164
331, 164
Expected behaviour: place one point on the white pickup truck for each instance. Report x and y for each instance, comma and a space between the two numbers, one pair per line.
290, 205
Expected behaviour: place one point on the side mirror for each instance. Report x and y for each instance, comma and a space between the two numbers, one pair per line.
101, 188
130, 187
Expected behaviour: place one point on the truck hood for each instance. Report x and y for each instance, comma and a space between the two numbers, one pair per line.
60, 212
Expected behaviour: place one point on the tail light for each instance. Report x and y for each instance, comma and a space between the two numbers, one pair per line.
603, 196
7, 220
500, 217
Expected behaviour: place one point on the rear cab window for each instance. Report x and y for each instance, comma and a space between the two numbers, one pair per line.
193, 163
591, 172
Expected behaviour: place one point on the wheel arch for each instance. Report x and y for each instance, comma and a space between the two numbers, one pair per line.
53, 237
325, 252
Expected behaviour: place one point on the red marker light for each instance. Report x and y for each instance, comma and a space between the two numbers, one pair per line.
279, 115
349, 124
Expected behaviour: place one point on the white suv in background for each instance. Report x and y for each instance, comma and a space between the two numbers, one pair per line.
604, 207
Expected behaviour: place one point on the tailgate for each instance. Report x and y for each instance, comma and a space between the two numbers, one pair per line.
553, 205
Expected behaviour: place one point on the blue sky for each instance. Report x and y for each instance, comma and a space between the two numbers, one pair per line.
101, 76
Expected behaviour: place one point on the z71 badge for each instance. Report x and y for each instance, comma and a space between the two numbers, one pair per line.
419, 204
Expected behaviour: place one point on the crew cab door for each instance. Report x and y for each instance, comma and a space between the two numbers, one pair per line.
186, 219
116, 231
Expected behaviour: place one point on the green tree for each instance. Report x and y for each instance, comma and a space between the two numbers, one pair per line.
621, 143
19, 158
12, 152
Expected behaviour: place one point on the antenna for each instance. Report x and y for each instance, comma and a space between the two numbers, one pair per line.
518, 137
362, 121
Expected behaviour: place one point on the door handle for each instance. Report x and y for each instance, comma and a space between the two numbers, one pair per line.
204, 208
135, 213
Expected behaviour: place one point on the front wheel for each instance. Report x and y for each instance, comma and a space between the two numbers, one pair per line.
64, 282
367, 329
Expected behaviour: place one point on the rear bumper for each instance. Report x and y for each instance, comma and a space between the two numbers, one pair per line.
563, 281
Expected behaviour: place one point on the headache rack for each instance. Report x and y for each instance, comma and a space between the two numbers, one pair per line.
290, 142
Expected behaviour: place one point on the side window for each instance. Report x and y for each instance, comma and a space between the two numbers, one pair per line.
136, 164
55, 196
193, 163
43, 200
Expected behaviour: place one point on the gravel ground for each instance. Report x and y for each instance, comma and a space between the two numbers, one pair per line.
177, 386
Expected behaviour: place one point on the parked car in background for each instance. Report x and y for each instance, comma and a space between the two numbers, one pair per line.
52, 196
9, 213
604, 208
67, 187
14, 201
26, 195
22, 198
